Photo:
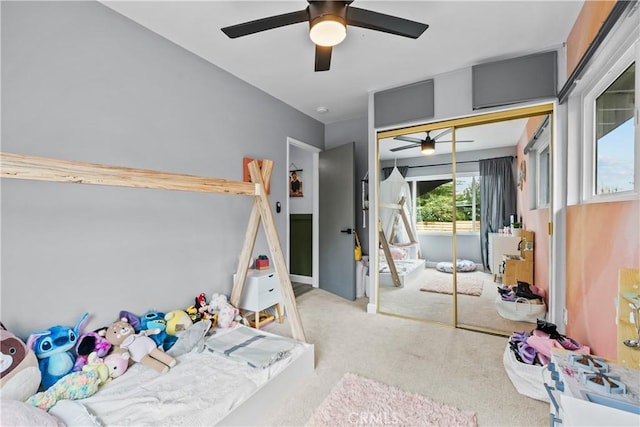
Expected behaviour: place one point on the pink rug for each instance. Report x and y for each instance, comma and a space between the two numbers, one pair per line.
358, 401
467, 285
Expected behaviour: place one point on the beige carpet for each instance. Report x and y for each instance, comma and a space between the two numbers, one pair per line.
356, 400
442, 283
460, 368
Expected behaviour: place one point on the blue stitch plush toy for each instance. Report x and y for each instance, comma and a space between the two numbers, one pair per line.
53, 348
154, 319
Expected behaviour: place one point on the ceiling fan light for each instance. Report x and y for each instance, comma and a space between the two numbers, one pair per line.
428, 147
328, 30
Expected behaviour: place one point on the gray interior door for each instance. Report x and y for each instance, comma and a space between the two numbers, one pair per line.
337, 221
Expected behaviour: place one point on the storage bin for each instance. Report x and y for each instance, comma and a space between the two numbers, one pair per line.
521, 310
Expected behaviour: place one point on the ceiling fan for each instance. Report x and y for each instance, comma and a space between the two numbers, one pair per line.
328, 22
427, 145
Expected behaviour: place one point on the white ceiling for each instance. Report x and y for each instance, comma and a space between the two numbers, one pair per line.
482, 137
281, 61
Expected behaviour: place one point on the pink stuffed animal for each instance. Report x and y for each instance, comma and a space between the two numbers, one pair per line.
227, 316
117, 364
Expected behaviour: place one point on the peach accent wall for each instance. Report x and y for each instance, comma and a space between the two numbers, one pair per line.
534, 219
602, 238
584, 30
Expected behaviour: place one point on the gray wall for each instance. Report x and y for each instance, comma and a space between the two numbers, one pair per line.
340, 133
81, 82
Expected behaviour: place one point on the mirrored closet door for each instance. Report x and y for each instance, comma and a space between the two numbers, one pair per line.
449, 211
416, 183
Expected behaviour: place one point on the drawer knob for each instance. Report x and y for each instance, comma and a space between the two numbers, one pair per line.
271, 290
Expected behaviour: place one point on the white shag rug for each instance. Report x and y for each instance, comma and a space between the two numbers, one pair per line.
358, 401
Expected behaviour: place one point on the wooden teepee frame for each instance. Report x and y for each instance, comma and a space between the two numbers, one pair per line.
17, 166
384, 241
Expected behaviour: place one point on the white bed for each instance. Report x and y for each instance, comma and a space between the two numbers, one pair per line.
407, 270
204, 388
405, 258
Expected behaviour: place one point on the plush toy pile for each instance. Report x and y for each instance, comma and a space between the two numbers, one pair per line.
67, 363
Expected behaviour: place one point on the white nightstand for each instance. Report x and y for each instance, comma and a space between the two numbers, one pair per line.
261, 291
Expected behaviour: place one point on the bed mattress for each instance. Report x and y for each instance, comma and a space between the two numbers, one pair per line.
202, 389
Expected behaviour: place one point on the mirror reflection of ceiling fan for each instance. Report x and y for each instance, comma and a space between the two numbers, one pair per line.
328, 21
427, 145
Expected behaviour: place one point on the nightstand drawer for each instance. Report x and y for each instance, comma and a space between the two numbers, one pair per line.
262, 290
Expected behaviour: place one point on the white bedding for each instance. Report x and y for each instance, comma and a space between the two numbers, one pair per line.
200, 390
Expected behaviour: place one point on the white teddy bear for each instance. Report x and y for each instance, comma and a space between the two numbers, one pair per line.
216, 303
228, 315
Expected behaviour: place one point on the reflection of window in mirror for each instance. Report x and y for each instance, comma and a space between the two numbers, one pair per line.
434, 195
538, 168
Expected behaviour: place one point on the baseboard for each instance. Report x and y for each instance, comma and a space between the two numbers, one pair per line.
307, 280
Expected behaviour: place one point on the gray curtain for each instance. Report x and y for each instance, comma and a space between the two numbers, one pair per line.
387, 171
497, 199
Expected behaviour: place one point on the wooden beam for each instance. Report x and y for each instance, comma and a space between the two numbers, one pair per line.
387, 254
18, 166
276, 253
408, 227
249, 240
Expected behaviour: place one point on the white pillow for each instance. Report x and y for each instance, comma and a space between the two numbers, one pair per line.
73, 413
16, 413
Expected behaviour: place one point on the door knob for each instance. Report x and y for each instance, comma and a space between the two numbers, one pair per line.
347, 230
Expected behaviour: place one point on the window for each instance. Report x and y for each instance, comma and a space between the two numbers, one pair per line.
610, 134
614, 135
539, 168
543, 178
434, 199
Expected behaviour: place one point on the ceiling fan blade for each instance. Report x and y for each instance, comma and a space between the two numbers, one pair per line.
405, 147
323, 58
263, 24
408, 139
386, 23
443, 133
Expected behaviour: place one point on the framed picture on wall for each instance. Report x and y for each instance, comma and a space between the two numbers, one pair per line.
295, 183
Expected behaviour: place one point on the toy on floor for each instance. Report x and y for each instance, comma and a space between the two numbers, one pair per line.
141, 348
53, 349
88, 343
19, 372
76, 385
